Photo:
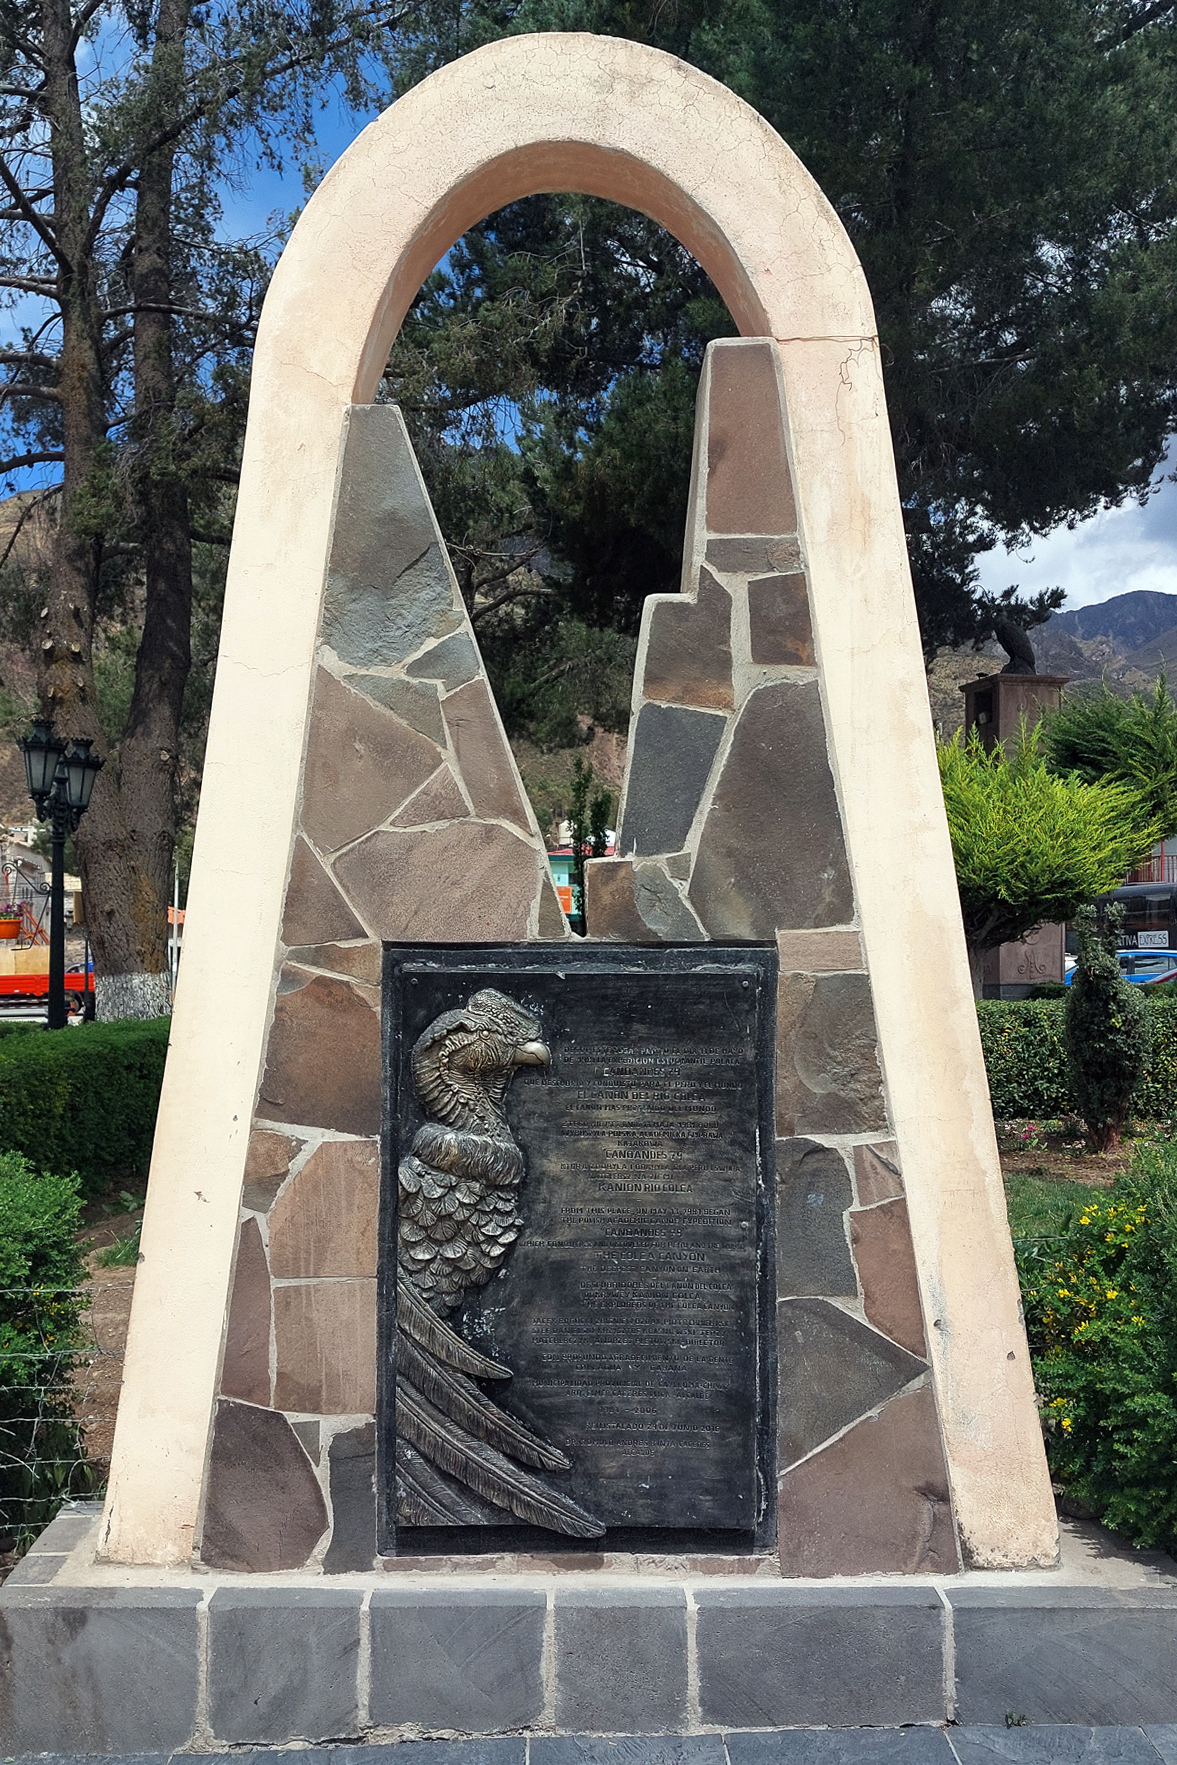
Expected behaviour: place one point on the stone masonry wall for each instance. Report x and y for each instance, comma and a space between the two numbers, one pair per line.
730, 830
414, 827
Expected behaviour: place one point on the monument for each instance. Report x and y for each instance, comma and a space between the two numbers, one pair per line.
525, 1324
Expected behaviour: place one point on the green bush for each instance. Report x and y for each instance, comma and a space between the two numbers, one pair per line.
1107, 1030
1101, 1314
41, 1460
84, 1099
1026, 1058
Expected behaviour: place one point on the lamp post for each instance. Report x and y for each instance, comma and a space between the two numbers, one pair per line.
60, 776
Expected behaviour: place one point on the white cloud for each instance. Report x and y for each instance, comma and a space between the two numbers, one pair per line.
1115, 552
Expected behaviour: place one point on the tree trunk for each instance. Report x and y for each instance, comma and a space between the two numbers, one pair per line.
149, 755
976, 970
66, 646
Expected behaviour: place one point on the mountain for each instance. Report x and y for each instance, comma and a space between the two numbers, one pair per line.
1129, 620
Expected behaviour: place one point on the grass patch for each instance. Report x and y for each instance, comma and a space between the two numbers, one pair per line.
1038, 1207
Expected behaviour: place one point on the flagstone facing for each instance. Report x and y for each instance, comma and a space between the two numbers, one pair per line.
414, 827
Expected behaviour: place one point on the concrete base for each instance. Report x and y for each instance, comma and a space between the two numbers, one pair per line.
98, 1660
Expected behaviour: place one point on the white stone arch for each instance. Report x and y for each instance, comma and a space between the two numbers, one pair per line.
563, 112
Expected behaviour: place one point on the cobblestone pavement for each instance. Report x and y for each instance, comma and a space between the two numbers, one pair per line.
1031, 1745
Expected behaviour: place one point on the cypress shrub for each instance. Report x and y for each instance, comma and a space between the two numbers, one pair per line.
1107, 1030
84, 1099
1026, 1057
41, 1458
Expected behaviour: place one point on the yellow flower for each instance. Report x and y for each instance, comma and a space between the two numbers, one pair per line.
1083, 1220
1067, 1423
1112, 1291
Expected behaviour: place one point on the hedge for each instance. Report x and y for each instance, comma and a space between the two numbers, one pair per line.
84, 1099
1027, 1064
41, 1456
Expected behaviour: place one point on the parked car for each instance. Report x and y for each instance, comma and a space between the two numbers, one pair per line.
1145, 967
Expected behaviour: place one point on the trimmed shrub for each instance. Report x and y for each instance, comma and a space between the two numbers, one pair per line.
1107, 1030
1026, 1058
84, 1099
1101, 1314
41, 1459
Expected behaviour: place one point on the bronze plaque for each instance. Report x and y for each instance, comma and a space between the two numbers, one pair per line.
576, 1302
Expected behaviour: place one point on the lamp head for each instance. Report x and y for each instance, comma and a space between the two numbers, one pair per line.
81, 768
42, 749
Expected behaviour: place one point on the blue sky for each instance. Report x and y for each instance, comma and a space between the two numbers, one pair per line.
1114, 553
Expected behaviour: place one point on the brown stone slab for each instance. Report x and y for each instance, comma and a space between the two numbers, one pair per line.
828, 1077
439, 799
325, 1333
877, 1175
362, 763
749, 487
484, 759
661, 906
883, 1254
316, 912
264, 1509
752, 555
689, 650
266, 1164
875, 1502
830, 950
771, 853
323, 1058
778, 620
468, 883
325, 1220
245, 1370
610, 910
359, 961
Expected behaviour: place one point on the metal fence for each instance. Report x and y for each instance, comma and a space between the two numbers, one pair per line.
61, 1362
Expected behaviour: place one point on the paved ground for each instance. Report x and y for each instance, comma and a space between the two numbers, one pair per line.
791, 1746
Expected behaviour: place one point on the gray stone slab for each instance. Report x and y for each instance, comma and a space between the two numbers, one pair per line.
669, 762
813, 1194
492, 1750
352, 1461
1047, 1745
798, 1657
854, 1746
283, 1663
452, 663
621, 1660
67, 1530
106, 1669
831, 1369
457, 1661
1163, 1737
627, 1749
35, 1570
1098, 1656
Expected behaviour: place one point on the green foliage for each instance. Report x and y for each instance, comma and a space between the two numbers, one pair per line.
1101, 1314
84, 1099
1039, 1207
1025, 1058
123, 1253
1107, 1030
1132, 742
40, 1330
1004, 169
1031, 847
554, 676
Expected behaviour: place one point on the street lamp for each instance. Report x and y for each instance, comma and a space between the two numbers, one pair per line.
60, 777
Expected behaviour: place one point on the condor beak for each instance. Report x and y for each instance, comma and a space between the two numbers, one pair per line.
533, 1054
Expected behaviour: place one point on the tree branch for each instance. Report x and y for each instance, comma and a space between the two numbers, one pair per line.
82, 20
36, 221
200, 537
21, 389
19, 461
36, 503
31, 285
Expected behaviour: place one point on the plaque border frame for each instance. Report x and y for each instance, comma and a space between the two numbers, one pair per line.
599, 958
